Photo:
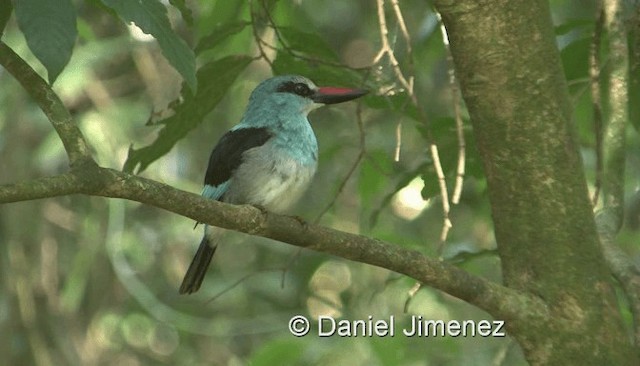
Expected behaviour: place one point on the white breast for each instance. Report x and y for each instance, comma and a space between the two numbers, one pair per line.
274, 181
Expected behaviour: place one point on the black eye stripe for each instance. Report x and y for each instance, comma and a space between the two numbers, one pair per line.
300, 89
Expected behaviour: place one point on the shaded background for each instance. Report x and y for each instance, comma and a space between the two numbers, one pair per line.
94, 281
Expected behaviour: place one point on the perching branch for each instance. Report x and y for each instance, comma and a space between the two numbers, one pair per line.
500, 301
90, 179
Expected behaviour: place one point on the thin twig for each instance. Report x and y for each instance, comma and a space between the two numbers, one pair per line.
240, 281
455, 100
256, 36
403, 27
407, 84
410, 295
388, 50
354, 166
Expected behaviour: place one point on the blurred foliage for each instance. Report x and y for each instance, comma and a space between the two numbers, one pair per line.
91, 281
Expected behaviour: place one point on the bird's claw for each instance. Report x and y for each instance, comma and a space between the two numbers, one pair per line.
262, 209
302, 221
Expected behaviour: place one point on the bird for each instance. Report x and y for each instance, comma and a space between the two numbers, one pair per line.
268, 159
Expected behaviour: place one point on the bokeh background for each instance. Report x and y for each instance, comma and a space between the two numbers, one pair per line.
93, 281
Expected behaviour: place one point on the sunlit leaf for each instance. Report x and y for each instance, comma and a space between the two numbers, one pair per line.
50, 30
214, 79
151, 17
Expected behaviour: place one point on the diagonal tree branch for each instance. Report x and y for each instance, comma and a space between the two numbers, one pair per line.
90, 179
501, 302
49, 102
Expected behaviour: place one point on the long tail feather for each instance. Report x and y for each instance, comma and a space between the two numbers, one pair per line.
198, 267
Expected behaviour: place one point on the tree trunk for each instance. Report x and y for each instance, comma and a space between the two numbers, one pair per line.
512, 81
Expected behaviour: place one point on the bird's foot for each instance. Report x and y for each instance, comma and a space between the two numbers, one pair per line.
304, 223
262, 209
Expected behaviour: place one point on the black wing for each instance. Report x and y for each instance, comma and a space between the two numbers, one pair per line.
227, 155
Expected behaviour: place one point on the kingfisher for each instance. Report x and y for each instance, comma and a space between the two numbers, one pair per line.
266, 160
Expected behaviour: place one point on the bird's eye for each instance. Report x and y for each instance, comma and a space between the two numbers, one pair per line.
301, 89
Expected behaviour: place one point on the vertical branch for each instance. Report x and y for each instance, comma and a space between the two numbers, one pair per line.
408, 84
455, 100
260, 43
610, 218
596, 99
634, 68
614, 147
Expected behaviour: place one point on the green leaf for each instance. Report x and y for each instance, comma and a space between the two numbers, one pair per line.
219, 34
214, 78
184, 10
50, 30
151, 17
5, 13
399, 102
320, 73
280, 351
85, 32
308, 43
431, 183
573, 24
372, 181
575, 58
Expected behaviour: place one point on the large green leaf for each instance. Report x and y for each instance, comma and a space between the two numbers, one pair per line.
50, 30
151, 17
310, 44
214, 79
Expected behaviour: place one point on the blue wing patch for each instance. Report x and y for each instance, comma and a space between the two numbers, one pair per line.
216, 192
